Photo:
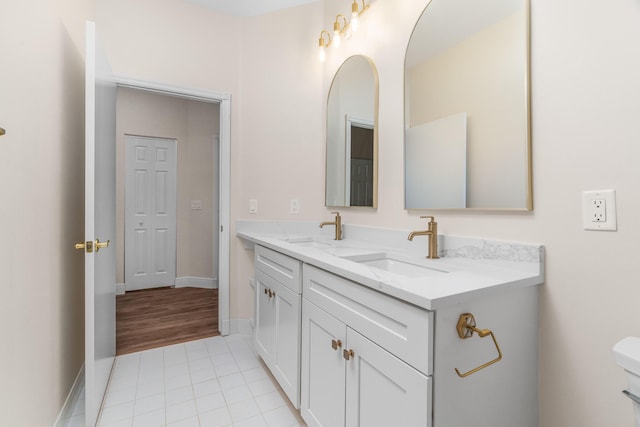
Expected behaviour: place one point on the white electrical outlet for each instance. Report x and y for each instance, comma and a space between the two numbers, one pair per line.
295, 206
253, 206
599, 210
196, 205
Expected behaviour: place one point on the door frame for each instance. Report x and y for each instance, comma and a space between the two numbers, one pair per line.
224, 100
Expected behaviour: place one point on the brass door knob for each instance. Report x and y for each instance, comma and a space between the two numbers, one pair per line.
101, 245
84, 245
336, 344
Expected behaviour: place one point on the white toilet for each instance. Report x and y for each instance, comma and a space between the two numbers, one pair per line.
627, 355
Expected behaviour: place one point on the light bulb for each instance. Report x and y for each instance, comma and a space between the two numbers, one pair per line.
322, 53
354, 16
355, 22
336, 39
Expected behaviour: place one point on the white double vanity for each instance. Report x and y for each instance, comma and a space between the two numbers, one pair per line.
366, 331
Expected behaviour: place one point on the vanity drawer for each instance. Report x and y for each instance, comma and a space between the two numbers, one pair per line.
282, 268
401, 328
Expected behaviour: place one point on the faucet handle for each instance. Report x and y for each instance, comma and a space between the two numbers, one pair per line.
433, 219
336, 213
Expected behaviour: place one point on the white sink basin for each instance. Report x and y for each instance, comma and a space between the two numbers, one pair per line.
392, 264
307, 242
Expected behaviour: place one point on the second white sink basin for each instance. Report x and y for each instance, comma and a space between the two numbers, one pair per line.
392, 264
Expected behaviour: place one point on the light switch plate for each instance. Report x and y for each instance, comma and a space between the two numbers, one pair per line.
599, 210
295, 206
253, 206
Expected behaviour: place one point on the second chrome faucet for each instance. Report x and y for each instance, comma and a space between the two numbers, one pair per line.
432, 233
337, 222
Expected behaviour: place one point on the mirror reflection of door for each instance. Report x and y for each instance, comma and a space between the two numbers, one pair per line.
360, 148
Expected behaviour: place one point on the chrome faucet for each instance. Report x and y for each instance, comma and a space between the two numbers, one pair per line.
432, 233
337, 223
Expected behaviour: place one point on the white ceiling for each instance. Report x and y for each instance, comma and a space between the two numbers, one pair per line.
249, 7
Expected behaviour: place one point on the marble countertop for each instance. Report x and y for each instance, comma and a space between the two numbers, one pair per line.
468, 268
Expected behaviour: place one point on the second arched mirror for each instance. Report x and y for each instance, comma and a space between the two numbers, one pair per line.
352, 141
467, 127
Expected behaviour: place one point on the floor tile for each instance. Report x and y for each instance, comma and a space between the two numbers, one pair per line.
150, 419
243, 410
237, 394
189, 422
270, 401
217, 418
120, 396
210, 402
231, 381
261, 387
280, 417
218, 381
255, 374
149, 404
206, 387
116, 413
149, 389
181, 411
179, 395
257, 421
177, 382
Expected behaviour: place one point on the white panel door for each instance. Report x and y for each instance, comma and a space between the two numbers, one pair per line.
150, 212
382, 390
323, 365
100, 225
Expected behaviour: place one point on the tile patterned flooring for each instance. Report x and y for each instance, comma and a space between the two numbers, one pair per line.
217, 381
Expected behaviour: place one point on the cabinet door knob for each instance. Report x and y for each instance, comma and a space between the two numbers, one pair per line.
336, 344
266, 291
348, 354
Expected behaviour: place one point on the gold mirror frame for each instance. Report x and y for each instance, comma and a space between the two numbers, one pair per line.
338, 116
527, 187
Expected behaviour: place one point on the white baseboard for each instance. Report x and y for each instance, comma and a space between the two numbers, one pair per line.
241, 326
76, 392
120, 289
197, 282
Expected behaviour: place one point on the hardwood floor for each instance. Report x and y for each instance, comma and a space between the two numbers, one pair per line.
157, 317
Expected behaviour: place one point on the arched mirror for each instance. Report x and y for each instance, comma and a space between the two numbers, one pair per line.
467, 107
352, 137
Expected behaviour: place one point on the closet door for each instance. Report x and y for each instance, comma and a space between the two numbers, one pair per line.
150, 212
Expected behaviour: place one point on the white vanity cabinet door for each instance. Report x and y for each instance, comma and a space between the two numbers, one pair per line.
382, 390
264, 336
277, 332
286, 355
367, 388
323, 369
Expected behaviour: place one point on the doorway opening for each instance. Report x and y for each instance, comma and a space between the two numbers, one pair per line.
198, 122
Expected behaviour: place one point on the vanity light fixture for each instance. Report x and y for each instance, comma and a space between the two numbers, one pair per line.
323, 45
341, 30
355, 14
338, 31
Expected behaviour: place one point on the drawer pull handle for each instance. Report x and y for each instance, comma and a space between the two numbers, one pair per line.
348, 354
336, 344
466, 327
